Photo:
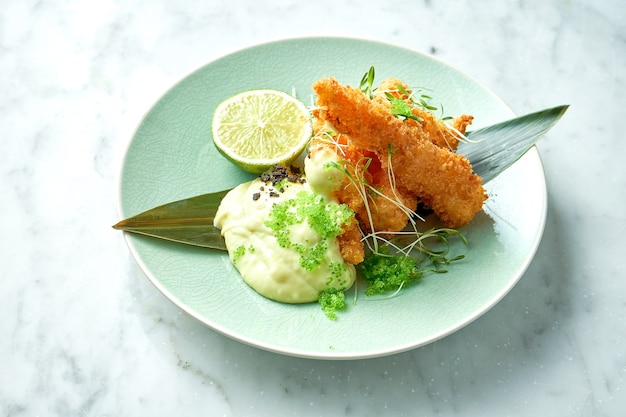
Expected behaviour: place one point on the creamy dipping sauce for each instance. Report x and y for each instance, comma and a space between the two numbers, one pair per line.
282, 239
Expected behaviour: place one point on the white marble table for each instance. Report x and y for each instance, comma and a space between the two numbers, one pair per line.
83, 333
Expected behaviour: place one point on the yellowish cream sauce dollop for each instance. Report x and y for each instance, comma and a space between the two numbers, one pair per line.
271, 269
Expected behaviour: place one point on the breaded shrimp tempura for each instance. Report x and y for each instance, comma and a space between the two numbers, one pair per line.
440, 178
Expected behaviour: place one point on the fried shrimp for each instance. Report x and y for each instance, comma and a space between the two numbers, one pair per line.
412, 165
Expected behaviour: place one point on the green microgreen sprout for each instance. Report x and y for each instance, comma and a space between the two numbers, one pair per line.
443, 117
401, 108
367, 83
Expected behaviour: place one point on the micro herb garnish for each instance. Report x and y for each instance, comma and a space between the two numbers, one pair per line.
367, 83
416, 100
331, 301
401, 108
422, 102
443, 116
324, 217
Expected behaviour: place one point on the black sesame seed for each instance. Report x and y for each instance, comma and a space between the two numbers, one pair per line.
279, 173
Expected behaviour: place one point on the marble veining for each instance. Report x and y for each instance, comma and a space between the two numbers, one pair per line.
84, 333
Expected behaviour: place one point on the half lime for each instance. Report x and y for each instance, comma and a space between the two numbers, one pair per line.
260, 128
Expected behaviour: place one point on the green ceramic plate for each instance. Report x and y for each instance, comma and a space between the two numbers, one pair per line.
171, 157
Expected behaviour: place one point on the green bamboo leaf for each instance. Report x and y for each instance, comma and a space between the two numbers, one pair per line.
491, 150
188, 221
495, 148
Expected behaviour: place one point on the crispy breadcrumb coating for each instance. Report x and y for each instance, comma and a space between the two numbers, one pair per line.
423, 168
351, 244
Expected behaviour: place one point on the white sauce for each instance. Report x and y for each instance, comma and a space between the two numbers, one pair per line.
274, 271
322, 178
